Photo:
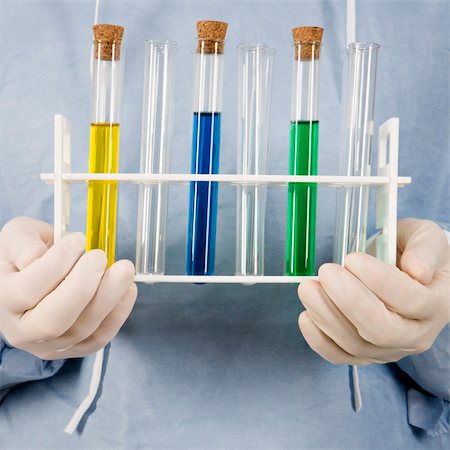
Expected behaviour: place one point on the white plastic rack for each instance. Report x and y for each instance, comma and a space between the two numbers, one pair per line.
386, 182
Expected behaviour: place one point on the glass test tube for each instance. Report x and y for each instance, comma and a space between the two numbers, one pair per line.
359, 98
255, 83
107, 74
157, 125
208, 85
304, 141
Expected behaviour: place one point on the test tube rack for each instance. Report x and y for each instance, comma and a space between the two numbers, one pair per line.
386, 182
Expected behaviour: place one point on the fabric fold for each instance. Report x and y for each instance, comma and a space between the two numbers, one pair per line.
428, 413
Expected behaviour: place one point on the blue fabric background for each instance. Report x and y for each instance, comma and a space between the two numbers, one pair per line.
216, 366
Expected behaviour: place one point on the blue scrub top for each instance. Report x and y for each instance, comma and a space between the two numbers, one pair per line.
216, 366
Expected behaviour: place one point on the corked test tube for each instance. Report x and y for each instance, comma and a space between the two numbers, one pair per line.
304, 141
157, 126
359, 102
255, 84
207, 107
101, 221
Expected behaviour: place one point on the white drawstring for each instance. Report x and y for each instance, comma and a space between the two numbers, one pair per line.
93, 390
99, 356
357, 399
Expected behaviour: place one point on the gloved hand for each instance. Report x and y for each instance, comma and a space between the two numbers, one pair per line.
369, 311
56, 301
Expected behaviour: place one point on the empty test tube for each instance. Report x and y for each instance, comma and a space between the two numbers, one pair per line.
104, 139
304, 141
359, 101
255, 83
208, 86
157, 125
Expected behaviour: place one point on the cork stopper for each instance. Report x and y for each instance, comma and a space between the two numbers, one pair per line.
309, 39
107, 40
211, 36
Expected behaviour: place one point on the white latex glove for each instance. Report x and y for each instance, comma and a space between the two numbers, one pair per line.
56, 301
371, 312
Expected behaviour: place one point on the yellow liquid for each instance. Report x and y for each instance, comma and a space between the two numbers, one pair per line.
101, 219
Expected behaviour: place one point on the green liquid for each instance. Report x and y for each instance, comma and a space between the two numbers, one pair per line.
301, 220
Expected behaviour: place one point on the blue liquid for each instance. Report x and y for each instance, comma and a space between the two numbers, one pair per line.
201, 237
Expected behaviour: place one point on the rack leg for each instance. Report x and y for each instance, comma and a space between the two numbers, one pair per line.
386, 215
62, 163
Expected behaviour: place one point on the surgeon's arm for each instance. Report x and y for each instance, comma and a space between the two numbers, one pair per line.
18, 366
56, 301
370, 312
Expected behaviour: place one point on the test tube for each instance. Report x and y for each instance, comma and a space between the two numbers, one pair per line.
157, 125
107, 74
359, 98
255, 83
304, 141
208, 86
